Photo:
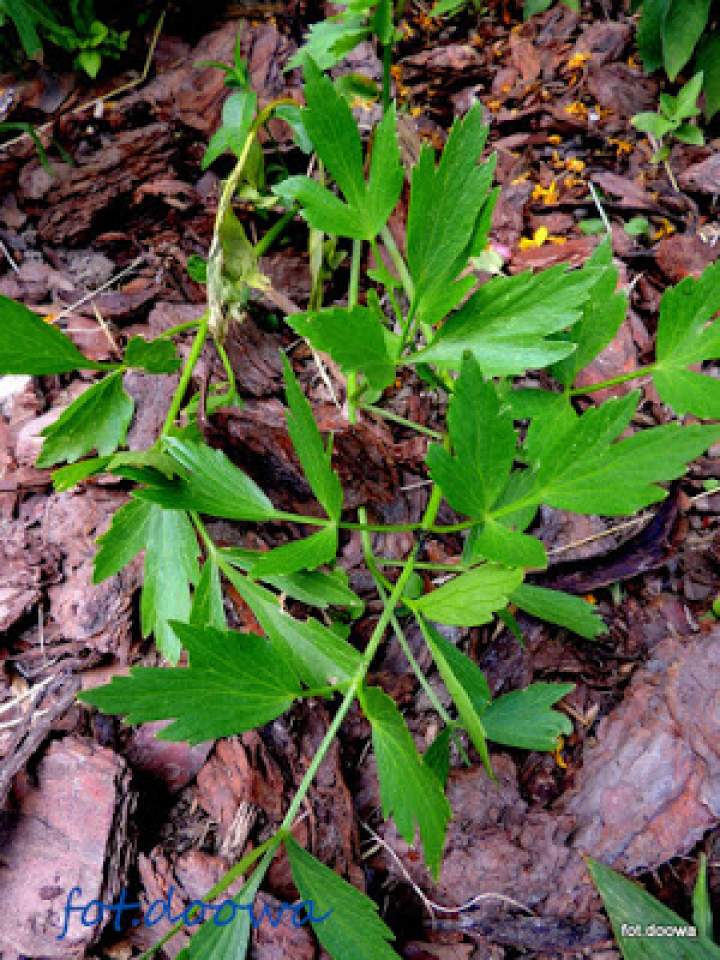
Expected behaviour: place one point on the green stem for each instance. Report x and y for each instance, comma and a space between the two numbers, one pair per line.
186, 375
395, 418
266, 241
180, 328
399, 263
353, 290
419, 565
229, 372
613, 381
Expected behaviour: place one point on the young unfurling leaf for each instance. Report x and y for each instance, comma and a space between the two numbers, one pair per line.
684, 338
97, 420
410, 791
472, 598
235, 682
30, 345
313, 456
329, 123
353, 930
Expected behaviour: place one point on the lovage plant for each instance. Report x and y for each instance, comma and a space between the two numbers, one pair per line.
505, 450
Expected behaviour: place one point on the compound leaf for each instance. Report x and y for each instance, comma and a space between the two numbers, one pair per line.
97, 420
234, 683
409, 790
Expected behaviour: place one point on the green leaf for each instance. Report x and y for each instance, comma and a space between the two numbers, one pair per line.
237, 116
580, 469
314, 588
212, 484
355, 338
466, 684
472, 598
208, 608
686, 101
353, 930
30, 345
496, 542
637, 227
689, 133
225, 941
97, 420
682, 27
234, 683
409, 790
329, 41
123, 541
446, 202
505, 322
483, 440
306, 554
171, 553
525, 718
702, 909
567, 611
653, 123
602, 315
306, 439
686, 337
66, 477
649, 33
329, 123
317, 654
437, 756
155, 356
628, 905
708, 60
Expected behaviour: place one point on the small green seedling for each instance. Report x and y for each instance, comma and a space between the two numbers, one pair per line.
672, 121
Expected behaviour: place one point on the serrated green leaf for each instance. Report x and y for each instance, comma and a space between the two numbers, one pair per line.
235, 682
446, 202
66, 477
525, 718
410, 792
30, 345
208, 608
155, 356
237, 116
97, 420
466, 684
602, 315
317, 654
171, 565
329, 123
355, 338
437, 756
123, 541
686, 337
567, 611
225, 941
212, 484
309, 447
500, 544
682, 27
504, 324
306, 554
483, 440
329, 41
628, 905
472, 598
353, 930
579, 467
